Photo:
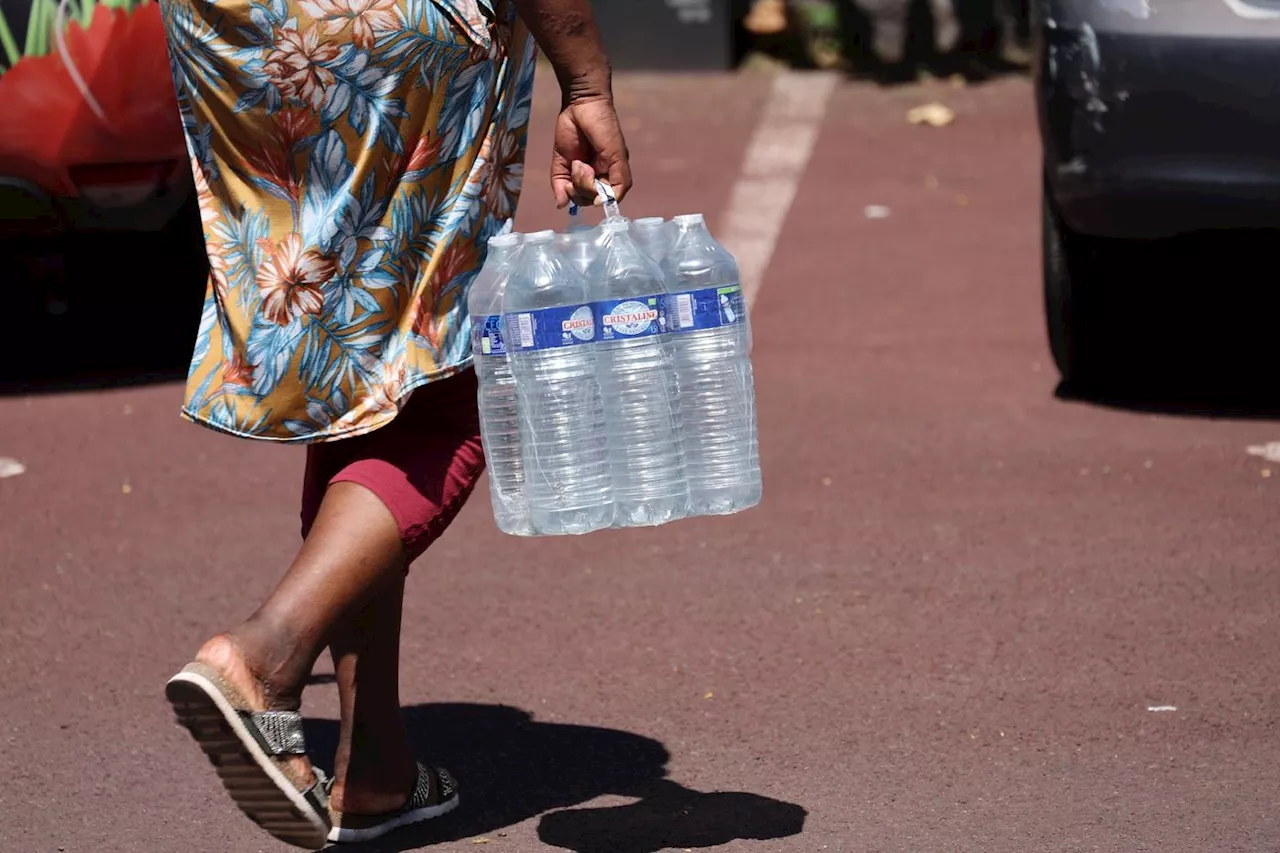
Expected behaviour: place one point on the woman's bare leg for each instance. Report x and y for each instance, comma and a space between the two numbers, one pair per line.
374, 769
352, 553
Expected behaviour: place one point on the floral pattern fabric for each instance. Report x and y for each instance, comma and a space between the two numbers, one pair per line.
352, 158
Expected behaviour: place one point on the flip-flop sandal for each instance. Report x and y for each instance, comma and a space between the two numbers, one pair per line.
245, 747
434, 793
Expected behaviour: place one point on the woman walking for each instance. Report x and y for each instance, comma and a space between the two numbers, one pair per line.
352, 158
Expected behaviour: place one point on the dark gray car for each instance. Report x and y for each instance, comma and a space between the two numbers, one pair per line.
1158, 118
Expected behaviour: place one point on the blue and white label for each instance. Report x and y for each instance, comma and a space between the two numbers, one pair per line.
709, 308
486, 334
631, 318
550, 328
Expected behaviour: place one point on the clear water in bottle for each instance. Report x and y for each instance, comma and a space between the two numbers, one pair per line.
551, 337
499, 421
710, 342
636, 379
655, 235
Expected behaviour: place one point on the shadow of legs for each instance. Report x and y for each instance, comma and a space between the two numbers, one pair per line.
670, 815
511, 768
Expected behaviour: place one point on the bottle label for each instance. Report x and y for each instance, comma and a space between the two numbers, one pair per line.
638, 317
708, 308
550, 328
486, 335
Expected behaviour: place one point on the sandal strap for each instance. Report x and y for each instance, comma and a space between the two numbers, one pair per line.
277, 732
447, 786
433, 787
317, 793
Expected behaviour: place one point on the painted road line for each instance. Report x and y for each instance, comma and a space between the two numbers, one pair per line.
775, 162
1269, 451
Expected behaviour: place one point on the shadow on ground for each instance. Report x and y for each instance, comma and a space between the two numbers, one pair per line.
1186, 327
512, 768
101, 310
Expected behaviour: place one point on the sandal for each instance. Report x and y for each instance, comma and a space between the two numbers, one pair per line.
244, 746
434, 793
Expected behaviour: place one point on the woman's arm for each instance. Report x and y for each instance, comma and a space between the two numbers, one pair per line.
588, 139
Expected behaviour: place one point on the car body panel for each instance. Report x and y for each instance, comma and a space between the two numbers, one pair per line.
1160, 116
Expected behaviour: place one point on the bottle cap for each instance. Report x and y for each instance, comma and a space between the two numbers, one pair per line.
649, 222
688, 219
613, 226
540, 237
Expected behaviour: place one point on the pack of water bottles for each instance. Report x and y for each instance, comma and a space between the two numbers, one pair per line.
615, 377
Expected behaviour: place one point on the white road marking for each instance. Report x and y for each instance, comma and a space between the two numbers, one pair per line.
1161, 708
1269, 451
775, 162
10, 467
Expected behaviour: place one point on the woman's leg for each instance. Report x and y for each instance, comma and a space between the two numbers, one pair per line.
374, 769
371, 504
352, 552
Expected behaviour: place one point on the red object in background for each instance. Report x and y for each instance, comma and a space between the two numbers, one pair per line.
49, 134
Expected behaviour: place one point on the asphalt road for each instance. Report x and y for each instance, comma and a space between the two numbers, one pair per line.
950, 626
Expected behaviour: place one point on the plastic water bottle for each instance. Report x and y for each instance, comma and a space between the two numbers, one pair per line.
655, 235
579, 245
710, 343
499, 422
634, 368
551, 337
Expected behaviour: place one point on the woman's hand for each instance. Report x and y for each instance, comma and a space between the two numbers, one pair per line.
588, 141
588, 145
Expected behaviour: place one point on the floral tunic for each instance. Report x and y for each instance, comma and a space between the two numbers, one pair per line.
352, 158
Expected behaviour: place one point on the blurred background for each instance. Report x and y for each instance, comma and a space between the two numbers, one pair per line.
1012, 586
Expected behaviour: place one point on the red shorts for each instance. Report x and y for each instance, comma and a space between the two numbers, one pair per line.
423, 465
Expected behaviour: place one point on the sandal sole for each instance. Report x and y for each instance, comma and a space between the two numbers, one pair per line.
347, 835
253, 780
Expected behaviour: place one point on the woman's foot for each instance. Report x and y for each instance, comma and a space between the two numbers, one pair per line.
381, 792
223, 654
434, 793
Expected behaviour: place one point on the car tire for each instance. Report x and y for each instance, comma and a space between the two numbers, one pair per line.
1072, 267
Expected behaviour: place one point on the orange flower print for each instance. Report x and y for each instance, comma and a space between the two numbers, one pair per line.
504, 175
431, 322
426, 151
384, 394
218, 271
237, 371
294, 65
366, 17
479, 177
208, 204
274, 164
290, 279
294, 126
458, 259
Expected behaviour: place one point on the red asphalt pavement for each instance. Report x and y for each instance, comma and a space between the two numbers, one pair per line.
943, 629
